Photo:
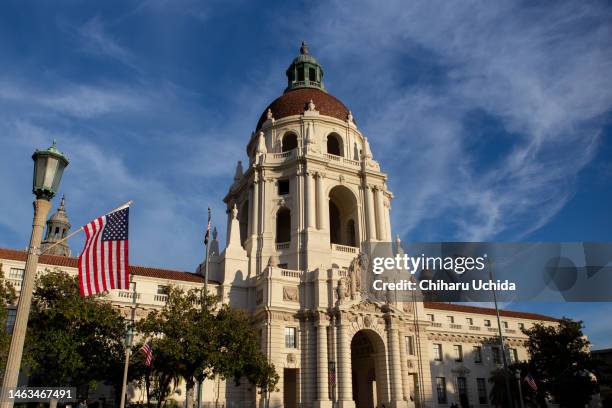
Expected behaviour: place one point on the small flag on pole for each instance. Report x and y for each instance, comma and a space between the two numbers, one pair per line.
207, 236
531, 382
148, 352
103, 264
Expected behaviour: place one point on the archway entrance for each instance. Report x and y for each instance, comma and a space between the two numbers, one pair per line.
369, 370
343, 213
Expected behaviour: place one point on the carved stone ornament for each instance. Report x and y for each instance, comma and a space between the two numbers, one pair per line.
291, 358
290, 294
342, 289
269, 114
311, 106
367, 321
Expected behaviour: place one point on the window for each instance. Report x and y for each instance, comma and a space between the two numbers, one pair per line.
283, 225
10, 320
513, 355
437, 351
458, 350
289, 142
462, 391
450, 319
487, 323
477, 354
441, 389
505, 324
521, 326
162, 289
482, 390
290, 339
496, 355
334, 144
312, 74
470, 321
56, 230
300, 73
283, 187
16, 273
409, 345
431, 318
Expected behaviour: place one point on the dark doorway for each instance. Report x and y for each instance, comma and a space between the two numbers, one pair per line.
290, 387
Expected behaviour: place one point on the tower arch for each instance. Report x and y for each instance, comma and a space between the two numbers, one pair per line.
289, 142
343, 216
283, 225
335, 145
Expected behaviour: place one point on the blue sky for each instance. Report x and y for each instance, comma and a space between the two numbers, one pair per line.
493, 119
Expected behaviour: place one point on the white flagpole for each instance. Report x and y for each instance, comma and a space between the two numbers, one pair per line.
128, 349
121, 207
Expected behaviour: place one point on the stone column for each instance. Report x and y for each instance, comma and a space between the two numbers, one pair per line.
380, 214
322, 400
395, 372
311, 203
250, 213
343, 367
370, 210
255, 208
321, 203
404, 367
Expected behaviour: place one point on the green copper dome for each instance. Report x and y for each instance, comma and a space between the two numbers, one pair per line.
304, 71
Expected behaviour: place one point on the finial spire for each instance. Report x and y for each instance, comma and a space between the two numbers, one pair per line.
62, 202
304, 48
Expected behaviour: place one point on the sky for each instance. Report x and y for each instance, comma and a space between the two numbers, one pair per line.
492, 119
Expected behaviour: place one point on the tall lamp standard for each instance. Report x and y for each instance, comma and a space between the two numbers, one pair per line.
49, 166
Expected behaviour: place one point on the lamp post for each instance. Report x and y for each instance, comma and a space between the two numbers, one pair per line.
49, 166
517, 374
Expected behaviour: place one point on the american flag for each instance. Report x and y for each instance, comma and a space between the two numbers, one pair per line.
207, 235
148, 352
531, 382
103, 264
332, 373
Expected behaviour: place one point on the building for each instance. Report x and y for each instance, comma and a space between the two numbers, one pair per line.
311, 199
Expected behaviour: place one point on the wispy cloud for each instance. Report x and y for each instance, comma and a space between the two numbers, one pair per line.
541, 73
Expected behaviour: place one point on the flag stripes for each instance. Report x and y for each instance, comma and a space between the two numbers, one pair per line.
103, 264
148, 352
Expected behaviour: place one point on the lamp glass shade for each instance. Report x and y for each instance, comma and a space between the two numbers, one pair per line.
49, 167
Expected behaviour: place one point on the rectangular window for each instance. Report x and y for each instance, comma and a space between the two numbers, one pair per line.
283, 187
505, 324
300, 73
513, 354
462, 389
312, 74
437, 351
482, 390
10, 320
458, 350
441, 389
470, 321
431, 318
16, 273
290, 338
496, 355
162, 289
521, 326
410, 345
477, 354
487, 323
450, 319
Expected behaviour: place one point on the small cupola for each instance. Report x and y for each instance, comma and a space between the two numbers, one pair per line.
304, 71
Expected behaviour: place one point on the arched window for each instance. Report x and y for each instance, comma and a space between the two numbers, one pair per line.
334, 144
283, 225
289, 142
243, 221
343, 212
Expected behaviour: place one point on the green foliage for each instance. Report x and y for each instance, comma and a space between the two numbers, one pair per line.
193, 340
72, 340
561, 363
7, 297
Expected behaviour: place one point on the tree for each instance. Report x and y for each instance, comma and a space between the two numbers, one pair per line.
7, 298
72, 340
193, 340
561, 363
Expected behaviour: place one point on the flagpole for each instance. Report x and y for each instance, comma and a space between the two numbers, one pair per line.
121, 207
501, 340
128, 347
205, 292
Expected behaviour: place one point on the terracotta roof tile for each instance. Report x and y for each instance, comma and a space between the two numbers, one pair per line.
294, 102
454, 307
72, 262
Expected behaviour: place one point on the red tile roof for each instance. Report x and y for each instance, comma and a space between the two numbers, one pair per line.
72, 262
295, 102
454, 307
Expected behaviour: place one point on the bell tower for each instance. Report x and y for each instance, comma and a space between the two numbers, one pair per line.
58, 226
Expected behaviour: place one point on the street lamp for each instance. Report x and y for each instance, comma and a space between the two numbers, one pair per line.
520, 389
49, 166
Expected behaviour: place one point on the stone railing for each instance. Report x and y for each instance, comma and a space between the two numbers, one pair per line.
436, 324
15, 282
160, 298
510, 331
283, 245
455, 326
289, 273
492, 329
350, 162
475, 328
344, 248
333, 157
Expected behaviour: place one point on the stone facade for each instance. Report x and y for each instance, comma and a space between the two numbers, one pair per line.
310, 200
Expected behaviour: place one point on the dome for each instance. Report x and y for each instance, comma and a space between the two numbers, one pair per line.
294, 102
